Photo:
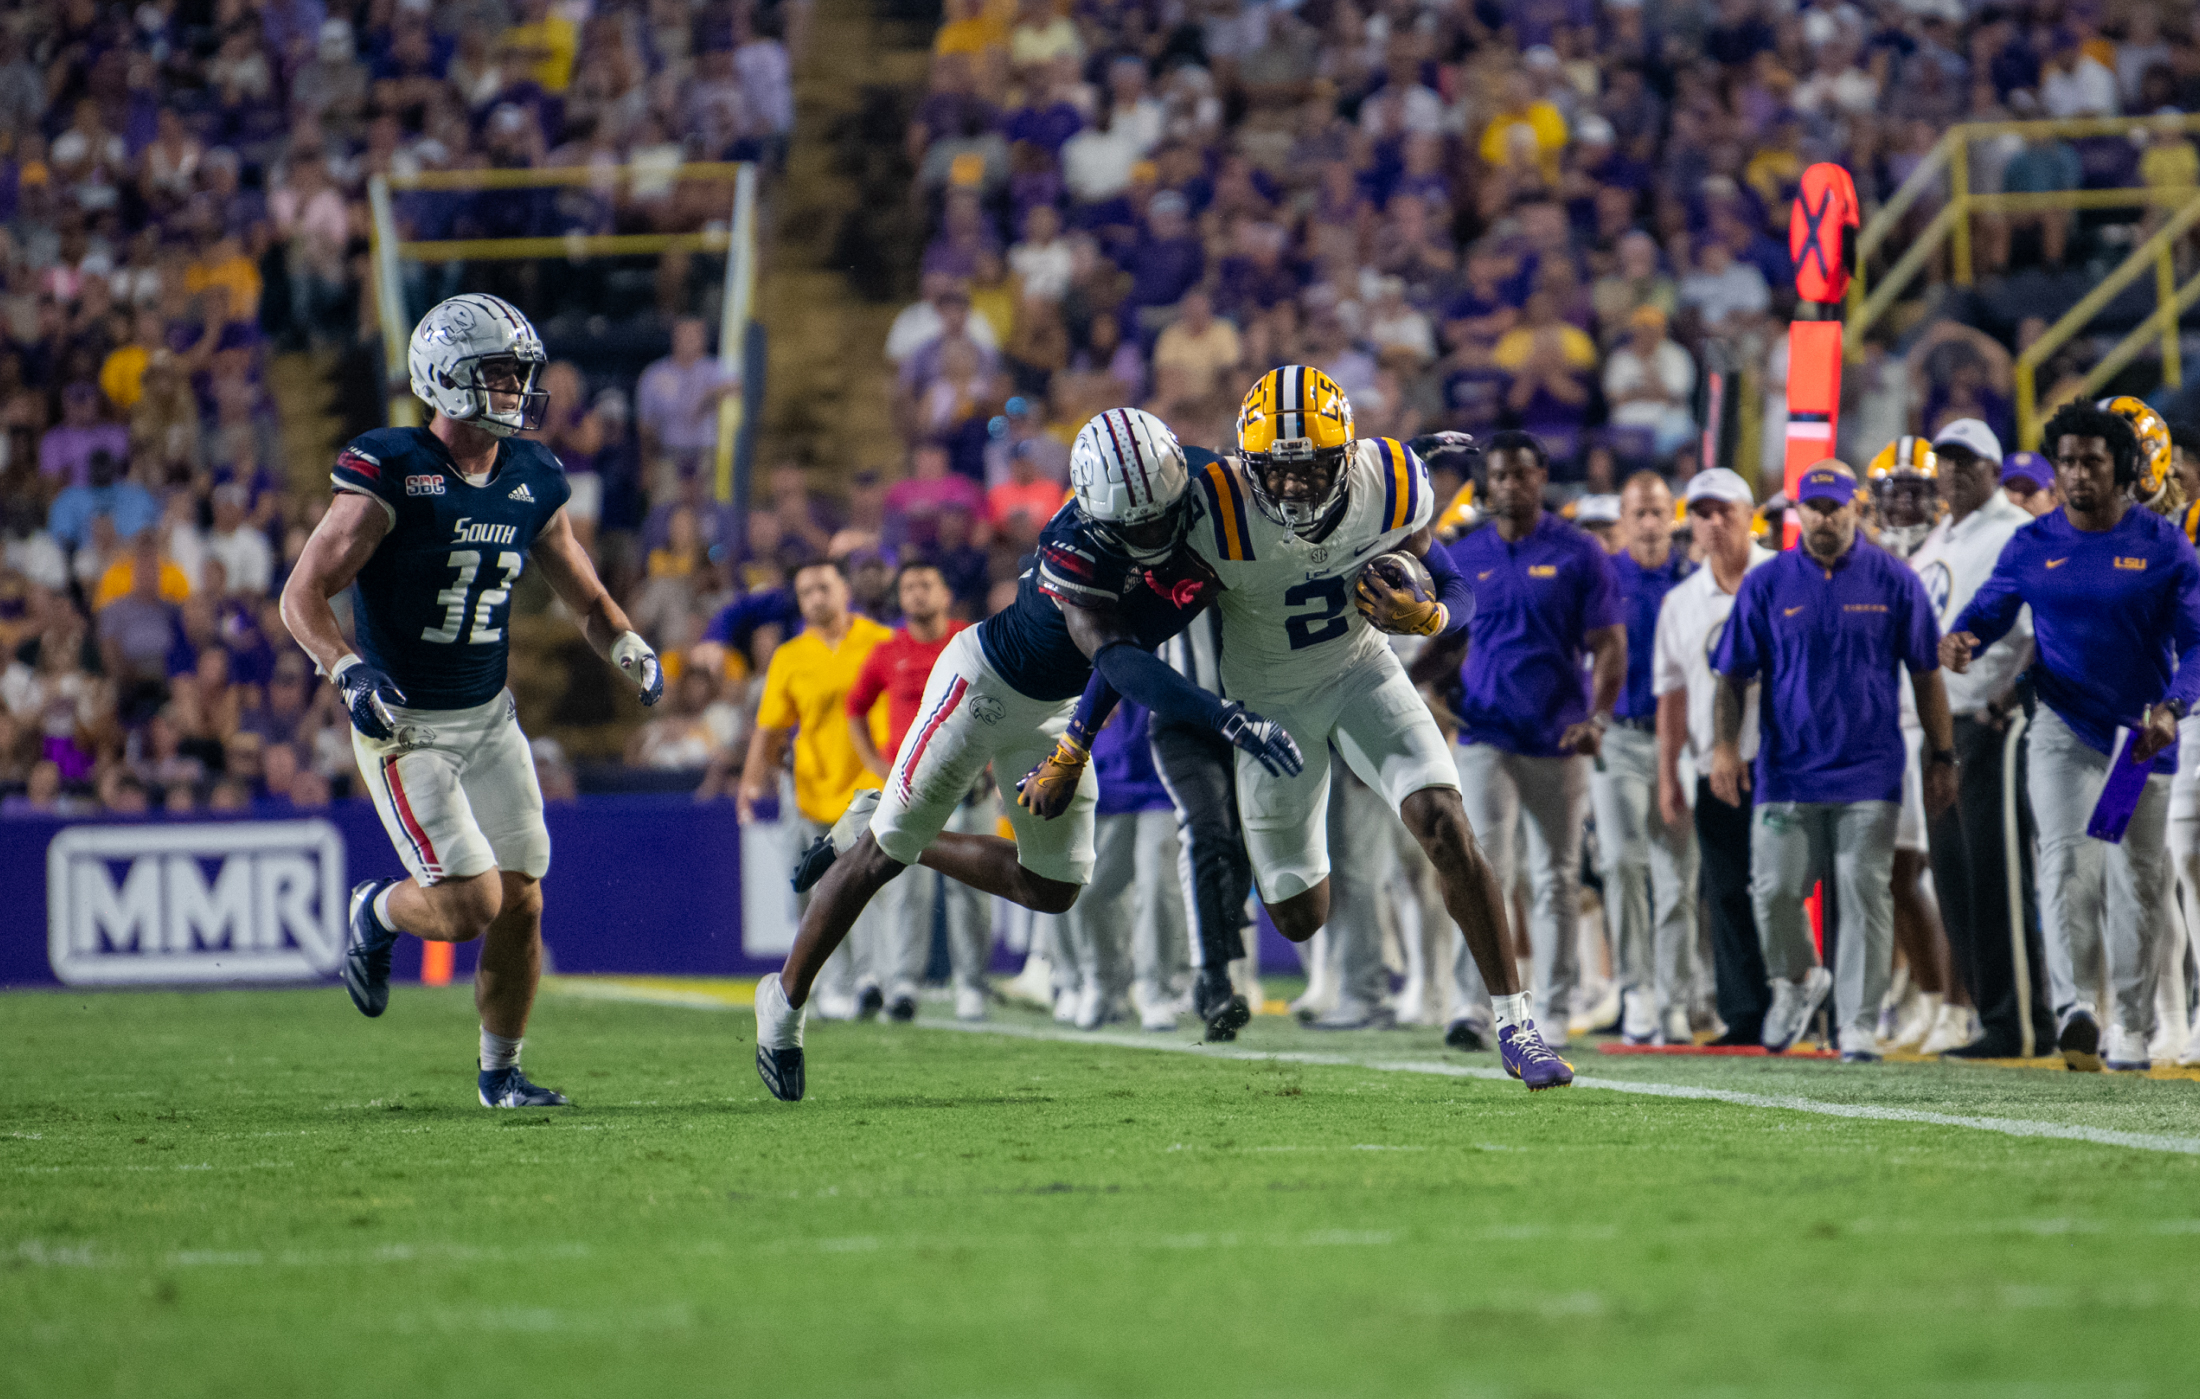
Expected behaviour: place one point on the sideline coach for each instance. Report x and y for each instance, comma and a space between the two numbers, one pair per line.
1826, 625
2115, 597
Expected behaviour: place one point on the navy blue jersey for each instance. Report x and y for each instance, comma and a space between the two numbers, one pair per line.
431, 604
1028, 642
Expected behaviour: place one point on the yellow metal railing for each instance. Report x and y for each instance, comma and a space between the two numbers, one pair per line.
736, 238
1949, 161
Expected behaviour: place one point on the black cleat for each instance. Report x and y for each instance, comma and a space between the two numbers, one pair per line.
811, 865
1988, 1048
781, 1070
509, 1088
1219, 1007
366, 966
902, 1008
778, 1041
1466, 1037
869, 1002
2080, 1042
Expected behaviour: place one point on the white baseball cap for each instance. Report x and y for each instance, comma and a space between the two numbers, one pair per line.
1597, 510
1971, 433
1720, 484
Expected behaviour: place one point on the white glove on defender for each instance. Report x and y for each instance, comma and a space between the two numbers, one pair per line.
639, 664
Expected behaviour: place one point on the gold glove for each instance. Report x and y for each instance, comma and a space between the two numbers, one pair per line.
1046, 791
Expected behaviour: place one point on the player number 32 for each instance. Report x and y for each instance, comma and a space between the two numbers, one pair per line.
460, 596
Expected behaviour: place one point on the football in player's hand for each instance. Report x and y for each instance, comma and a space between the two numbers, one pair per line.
1402, 573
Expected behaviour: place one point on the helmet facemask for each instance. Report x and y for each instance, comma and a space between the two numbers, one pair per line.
485, 378
1297, 484
1149, 539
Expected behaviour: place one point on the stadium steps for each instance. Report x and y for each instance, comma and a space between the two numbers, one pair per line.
304, 388
829, 394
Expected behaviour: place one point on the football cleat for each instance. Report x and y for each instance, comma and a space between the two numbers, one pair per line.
1793, 1004
509, 1088
1638, 1016
1527, 1058
2080, 1042
367, 945
778, 1041
810, 867
869, 1002
1219, 1007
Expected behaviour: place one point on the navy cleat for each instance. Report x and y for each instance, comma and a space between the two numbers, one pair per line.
367, 944
1466, 1036
1219, 1007
778, 1041
810, 867
1527, 1058
509, 1088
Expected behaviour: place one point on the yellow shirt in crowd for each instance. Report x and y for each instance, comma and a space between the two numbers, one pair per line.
121, 576
555, 39
806, 689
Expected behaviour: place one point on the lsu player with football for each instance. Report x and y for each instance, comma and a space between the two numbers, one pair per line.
1321, 541
1110, 583
430, 527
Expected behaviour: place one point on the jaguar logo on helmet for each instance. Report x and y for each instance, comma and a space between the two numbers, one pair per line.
2154, 450
465, 342
1294, 434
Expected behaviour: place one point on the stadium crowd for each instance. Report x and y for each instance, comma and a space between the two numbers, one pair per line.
1545, 215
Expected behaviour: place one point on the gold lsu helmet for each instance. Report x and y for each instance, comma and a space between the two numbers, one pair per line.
2154, 447
1904, 459
1295, 422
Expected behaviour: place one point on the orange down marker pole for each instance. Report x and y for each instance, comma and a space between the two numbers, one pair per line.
1821, 243
435, 963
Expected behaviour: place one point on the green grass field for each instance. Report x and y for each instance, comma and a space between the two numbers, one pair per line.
262, 1193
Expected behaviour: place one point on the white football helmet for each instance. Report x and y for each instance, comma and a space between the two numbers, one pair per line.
449, 347
1127, 470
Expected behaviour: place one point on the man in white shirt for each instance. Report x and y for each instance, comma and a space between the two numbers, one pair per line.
246, 560
1719, 509
1994, 942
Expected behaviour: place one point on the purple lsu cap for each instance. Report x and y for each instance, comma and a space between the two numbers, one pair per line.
1829, 480
2029, 466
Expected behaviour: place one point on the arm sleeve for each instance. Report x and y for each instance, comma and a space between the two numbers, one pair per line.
870, 684
1452, 588
1738, 653
1093, 708
1146, 678
776, 710
1993, 608
1920, 629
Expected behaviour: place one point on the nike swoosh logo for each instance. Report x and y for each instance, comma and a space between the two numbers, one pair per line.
2058, 563
1791, 611
1364, 548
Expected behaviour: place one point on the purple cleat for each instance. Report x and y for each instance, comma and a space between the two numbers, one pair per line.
1527, 1058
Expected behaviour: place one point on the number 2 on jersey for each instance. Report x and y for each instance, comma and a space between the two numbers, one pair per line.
460, 598
1314, 628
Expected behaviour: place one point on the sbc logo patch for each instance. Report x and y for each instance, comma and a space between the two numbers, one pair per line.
424, 485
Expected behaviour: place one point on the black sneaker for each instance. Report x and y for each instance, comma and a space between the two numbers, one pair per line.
869, 1002
902, 1008
1219, 1007
1988, 1048
367, 944
2080, 1042
1466, 1037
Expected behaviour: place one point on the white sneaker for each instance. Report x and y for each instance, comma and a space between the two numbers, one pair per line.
1156, 1012
2168, 1042
1598, 1015
1638, 1016
1914, 1019
1675, 1029
2191, 1057
2125, 1051
970, 1003
830, 1007
1955, 1027
1065, 1006
1090, 1010
1793, 1004
1033, 986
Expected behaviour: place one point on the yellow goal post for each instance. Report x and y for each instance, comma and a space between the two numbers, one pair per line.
735, 237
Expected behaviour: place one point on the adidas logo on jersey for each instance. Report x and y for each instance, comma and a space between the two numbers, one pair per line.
520, 492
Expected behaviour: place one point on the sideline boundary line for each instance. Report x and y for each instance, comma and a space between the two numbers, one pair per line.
2006, 1126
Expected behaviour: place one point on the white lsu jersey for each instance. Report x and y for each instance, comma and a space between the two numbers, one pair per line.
1291, 625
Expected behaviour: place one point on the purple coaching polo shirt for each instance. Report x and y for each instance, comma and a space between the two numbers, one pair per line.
2116, 614
1641, 593
1534, 603
1827, 643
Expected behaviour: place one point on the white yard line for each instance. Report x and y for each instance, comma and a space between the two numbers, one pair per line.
2007, 1126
